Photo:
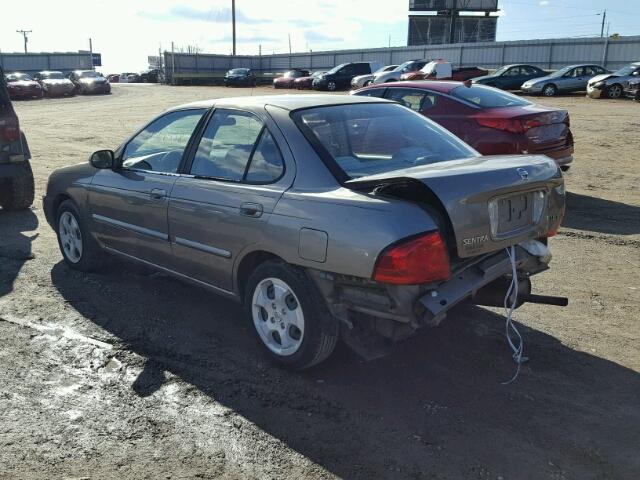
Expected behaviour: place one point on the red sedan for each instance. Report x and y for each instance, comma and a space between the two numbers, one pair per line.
286, 81
306, 83
21, 85
492, 121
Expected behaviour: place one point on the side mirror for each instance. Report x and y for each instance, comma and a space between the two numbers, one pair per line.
102, 159
636, 73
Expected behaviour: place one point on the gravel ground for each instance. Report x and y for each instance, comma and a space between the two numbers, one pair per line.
131, 374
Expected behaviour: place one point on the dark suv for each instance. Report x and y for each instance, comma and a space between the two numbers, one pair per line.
340, 76
16, 178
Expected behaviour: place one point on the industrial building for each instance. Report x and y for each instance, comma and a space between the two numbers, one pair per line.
452, 21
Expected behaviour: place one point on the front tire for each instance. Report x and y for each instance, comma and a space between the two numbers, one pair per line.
289, 316
550, 90
331, 86
17, 193
79, 249
614, 91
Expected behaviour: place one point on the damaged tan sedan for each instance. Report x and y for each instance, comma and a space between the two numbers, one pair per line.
325, 216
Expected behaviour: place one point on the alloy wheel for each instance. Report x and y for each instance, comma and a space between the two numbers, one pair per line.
278, 316
615, 91
70, 237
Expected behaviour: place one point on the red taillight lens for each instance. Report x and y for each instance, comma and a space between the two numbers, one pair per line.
505, 124
422, 259
10, 130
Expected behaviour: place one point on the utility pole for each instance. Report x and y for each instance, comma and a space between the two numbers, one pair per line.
289, 43
452, 28
25, 35
604, 17
91, 54
233, 21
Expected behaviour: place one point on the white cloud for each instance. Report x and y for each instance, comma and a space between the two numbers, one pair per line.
544, 2
126, 31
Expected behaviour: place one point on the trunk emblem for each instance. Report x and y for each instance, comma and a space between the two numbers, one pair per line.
524, 175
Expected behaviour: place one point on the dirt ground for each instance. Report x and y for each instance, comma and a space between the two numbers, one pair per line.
130, 374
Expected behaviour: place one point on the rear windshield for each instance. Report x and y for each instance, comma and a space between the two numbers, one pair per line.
18, 77
238, 71
53, 76
89, 74
368, 139
487, 97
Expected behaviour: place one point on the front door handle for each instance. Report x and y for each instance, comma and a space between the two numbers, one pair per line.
158, 193
251, 210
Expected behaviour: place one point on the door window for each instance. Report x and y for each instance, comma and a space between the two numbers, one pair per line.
159, 147
227, 145
417, 100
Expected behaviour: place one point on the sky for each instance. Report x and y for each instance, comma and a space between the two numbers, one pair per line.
126, 32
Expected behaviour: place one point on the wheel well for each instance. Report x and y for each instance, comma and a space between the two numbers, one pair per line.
248, 264
56, 203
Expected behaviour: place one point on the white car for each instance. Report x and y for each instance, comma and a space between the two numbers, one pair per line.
395, 74
611, 85
364, 80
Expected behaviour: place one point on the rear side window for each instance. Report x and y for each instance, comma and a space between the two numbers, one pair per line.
487, 97
266, 163
372, 92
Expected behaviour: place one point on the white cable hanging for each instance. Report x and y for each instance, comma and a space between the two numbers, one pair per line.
512, 292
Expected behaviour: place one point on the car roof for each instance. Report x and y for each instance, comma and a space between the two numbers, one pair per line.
441, 86
287, 102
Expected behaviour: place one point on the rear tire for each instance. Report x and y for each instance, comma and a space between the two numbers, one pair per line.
78, 247
17, 193
615, 91
281, 299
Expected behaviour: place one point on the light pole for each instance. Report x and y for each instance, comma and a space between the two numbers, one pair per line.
25, 35
233, 22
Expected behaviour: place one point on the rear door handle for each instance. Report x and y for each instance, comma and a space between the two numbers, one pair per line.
251, 210
158, 193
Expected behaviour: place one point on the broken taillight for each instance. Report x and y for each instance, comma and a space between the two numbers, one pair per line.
421, 259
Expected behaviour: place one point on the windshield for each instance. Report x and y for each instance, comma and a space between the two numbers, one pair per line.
487, 97
18, 77
292, 74
401, 67
336, 68
52, 76
89, 74
317, 74
372, 138
239, 71
626, 71
501, 70
561, 72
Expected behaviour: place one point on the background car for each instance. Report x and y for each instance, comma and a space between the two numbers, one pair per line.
611, 85
127, 77
21, 86
153, 75
460, 74
240, 77
114, 78
632, 89
573, 78
435, 69
90, 81
269, 205
306, 83
364, 80
394, 75
340, 76
54, 83
510, 77
16, 177
288, 79
491, 121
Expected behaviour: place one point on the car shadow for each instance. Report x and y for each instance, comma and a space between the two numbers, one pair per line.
595, 214
433, 409
15, 245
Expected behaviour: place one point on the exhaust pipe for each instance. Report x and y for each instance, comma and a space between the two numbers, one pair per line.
492, 295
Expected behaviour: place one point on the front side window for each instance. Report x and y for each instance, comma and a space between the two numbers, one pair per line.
367, 139
160, 146
512, 72
486, 97
227, 145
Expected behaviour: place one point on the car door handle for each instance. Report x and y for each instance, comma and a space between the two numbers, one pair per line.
158, 193
251, 210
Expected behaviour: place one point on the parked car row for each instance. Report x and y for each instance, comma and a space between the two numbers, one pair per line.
55, 84
153, 75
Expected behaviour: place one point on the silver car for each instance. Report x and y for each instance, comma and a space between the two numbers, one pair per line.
573, 78
611, 85
364, 80
325, 216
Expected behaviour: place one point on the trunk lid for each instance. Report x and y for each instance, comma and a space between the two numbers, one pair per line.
544, 129
491, 201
